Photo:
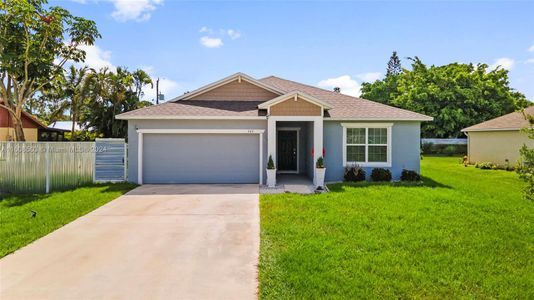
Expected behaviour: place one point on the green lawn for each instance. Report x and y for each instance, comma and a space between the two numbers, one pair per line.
18, 228
464, 233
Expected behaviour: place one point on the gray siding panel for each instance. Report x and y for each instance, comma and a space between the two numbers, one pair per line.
405, 149
200, 158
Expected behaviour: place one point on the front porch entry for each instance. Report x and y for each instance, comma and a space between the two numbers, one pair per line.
295, 143
291, 183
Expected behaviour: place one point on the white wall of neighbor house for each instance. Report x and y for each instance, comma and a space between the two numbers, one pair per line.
496, 146
135, 125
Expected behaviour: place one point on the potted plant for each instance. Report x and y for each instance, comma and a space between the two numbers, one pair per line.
271, 172
319, 172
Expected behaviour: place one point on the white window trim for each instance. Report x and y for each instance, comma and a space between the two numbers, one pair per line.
388, 126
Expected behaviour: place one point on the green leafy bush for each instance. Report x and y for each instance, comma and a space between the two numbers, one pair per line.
525, 169
354, 173
410, 175
381, 174
439, 149
486, 165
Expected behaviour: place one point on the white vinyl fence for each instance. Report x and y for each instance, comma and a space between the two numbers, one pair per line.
41, 167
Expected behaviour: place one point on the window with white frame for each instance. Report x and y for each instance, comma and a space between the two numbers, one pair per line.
367, 144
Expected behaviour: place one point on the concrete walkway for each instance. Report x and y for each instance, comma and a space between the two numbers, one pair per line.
156, 242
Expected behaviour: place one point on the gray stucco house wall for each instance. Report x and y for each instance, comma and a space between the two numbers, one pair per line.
405, 153
405, 145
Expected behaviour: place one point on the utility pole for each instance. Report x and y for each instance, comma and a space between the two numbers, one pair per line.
157, 91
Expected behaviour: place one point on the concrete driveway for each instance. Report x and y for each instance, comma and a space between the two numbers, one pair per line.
156, 242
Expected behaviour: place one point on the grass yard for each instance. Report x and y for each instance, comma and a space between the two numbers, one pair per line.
18, 228
464, 233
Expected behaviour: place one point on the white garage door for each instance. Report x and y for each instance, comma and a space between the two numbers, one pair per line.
200, 158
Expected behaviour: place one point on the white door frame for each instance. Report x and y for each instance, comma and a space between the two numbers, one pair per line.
141, 132
297, 130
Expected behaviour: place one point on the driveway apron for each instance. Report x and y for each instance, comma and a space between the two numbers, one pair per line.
156, 242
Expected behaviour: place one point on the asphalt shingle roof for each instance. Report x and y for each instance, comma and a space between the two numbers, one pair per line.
512, 121
343, 106
199, 108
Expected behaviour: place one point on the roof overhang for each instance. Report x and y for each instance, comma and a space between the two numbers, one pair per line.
421, 119
174, 117
490, 129
29, 117
237, 76
295, 95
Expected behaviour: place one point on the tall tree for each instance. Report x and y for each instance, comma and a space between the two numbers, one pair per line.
74, 90
384, 90
394, 65
456, 95
140, 80
35, 43
115, 92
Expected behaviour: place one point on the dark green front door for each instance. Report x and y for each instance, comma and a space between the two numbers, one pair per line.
287, 151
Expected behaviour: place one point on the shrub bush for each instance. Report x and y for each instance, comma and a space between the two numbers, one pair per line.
410, 175
440, 149
354, 173
380, 174
270, 163
320, 163
486, 165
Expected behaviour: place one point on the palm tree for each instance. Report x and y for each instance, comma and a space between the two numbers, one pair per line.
75, 89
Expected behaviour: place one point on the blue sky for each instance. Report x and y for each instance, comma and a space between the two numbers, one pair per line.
189, 44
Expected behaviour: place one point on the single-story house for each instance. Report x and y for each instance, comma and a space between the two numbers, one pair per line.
225, 131
498, 140
31, 126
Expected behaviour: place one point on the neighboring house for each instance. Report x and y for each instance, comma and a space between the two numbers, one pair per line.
224, 132
65, 126
498, 140
31, 126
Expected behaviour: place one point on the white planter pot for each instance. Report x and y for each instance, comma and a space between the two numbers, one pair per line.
271, 178
319, 177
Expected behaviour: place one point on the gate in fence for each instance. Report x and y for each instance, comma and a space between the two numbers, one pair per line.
41, 167
110, 160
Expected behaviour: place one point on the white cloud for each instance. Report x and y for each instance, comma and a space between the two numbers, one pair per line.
531, 49
233, 34
369, 77
503, 62
205, 29
209, 42
530, 61
96, 58
137, 10
214, 38
347, 85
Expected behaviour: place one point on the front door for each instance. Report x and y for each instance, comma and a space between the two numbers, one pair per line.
287, 151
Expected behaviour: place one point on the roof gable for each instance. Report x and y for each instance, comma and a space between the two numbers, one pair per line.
295, 95
237, 87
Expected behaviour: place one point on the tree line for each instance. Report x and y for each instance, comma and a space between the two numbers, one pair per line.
456, 95
41, 47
